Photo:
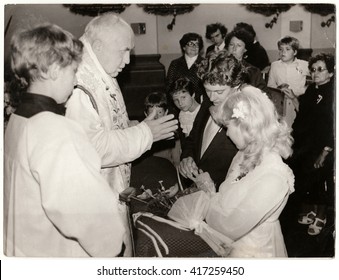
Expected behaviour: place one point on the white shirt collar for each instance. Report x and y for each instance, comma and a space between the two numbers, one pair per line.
190, 60
221, 47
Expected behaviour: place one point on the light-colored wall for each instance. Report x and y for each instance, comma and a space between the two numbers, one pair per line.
29, 15
158, 39
312, 36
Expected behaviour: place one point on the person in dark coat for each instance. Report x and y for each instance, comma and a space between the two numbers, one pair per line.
186, 66
314, 135
256, 54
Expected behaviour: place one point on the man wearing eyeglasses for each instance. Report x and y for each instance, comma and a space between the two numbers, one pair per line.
216, 33
186, 66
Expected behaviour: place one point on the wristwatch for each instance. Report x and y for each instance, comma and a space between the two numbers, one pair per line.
328, 149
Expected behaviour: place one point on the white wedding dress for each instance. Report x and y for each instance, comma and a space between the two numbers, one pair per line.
241, 220
247, 210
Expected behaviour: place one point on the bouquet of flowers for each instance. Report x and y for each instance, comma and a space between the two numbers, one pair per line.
159, 201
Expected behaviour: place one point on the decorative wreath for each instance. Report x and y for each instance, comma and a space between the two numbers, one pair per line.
268, 9
95, 9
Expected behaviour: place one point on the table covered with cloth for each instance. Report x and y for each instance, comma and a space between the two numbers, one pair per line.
154, 235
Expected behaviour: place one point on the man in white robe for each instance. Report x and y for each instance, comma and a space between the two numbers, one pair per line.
98, 105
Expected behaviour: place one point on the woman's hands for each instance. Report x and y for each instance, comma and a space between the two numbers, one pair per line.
188, 168
203, 181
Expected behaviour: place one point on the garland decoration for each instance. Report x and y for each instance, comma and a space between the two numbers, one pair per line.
94, 10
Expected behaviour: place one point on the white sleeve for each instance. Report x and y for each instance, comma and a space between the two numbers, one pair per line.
115, 147
251, 208
75, 197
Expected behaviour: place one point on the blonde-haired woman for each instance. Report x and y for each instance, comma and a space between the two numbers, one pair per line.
247, 207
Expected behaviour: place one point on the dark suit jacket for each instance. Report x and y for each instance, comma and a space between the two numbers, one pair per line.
257, 56
178, 69
219, 154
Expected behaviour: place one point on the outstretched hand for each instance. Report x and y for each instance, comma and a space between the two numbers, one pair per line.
161, 128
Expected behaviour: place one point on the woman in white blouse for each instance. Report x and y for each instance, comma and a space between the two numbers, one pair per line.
247, 207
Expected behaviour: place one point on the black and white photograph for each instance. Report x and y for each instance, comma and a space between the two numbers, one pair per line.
199, 133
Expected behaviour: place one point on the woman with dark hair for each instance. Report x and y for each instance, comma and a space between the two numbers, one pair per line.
186, 66
256, 54
313, 157
238, 42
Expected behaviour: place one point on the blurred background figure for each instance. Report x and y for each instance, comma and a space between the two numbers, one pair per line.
216, 33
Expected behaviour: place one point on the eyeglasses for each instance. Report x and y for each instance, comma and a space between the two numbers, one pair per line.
319, 69
193, 44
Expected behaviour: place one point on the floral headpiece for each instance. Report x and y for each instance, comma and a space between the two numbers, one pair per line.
240, 111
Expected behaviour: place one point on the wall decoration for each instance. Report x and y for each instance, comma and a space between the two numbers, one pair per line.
328, 22
320, 9
94, 10
269, 10
276, 9
168, 9
323, 10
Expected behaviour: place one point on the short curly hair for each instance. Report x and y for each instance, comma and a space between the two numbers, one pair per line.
248, 27
188, 37
214, 27
242, 35
222, 68
327, 58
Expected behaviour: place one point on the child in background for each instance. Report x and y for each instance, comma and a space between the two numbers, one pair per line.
289, 74
182, 95
156, 101
56, 202
169, 148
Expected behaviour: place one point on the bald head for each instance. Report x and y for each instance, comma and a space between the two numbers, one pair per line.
107, 25
111, 39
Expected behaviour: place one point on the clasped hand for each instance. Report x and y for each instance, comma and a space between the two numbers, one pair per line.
161, 128
203, 181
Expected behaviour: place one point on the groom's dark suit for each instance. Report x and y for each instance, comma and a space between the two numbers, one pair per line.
218, 155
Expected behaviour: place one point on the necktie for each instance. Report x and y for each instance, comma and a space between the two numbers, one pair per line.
210, 131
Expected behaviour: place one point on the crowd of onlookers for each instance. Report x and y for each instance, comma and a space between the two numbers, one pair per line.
70, 145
